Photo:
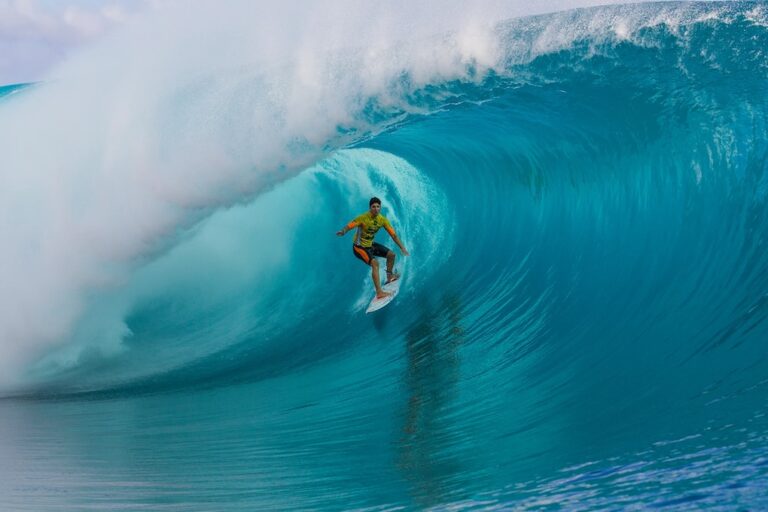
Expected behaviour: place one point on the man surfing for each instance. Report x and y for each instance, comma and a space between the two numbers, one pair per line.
367, 250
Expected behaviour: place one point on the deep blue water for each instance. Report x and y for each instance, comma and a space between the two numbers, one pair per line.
582, 322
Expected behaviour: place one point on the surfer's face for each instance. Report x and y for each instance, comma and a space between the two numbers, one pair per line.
375, 209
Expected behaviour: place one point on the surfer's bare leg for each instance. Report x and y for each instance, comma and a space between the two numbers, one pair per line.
391, 276
376, 282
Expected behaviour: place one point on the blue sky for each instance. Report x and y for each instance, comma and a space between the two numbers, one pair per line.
37, 34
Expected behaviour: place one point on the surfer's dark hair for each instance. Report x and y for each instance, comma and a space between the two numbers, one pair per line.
373, 201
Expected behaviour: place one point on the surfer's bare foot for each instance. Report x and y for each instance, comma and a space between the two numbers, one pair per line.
382, 294
391, 276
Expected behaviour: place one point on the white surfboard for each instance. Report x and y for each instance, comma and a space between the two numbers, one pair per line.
377, 304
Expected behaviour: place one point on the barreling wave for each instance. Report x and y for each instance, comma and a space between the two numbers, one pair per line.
587, 187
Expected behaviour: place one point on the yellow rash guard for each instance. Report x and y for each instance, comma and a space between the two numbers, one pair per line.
367, 227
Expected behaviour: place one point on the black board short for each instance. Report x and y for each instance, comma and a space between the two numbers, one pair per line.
368, 253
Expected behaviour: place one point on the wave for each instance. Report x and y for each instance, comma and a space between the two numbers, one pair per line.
584, 190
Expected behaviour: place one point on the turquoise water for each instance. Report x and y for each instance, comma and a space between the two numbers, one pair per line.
581, 325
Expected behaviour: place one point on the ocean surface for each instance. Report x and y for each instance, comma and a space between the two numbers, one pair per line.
582, 323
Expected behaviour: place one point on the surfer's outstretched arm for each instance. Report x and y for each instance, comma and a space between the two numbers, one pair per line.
343, 231
397, 240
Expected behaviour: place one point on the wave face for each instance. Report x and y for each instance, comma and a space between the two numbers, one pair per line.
582, 319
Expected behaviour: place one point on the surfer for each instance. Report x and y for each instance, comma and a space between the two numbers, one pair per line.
366, 249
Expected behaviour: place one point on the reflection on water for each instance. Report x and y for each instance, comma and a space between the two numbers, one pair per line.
424, 448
